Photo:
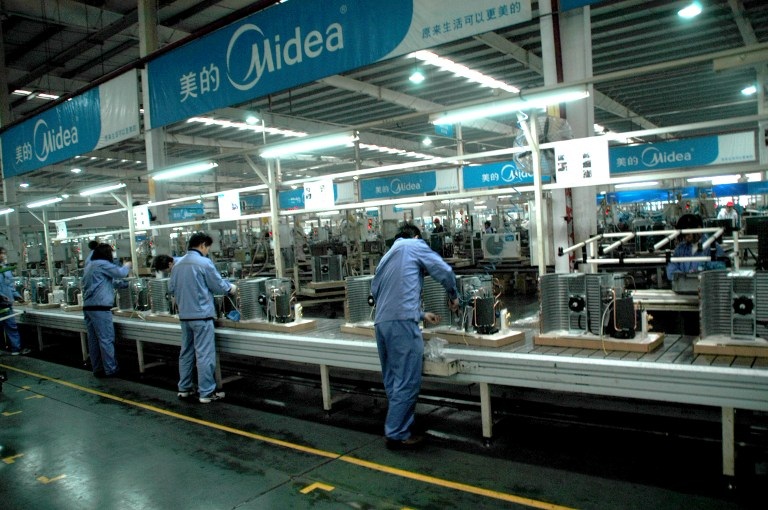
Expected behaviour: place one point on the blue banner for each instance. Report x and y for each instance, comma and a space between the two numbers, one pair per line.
97, 118
293, 43
398, 186
186, 213
495, 175
702, 151
294, 199
252, 202
567, 5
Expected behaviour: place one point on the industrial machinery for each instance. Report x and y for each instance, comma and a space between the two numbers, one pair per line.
587, 303
476, 298
71, 285
134, 296
504, 246
734, 304
359, 304
327, 268
253, 298
279, 296
20, 284
161, 302
39, 288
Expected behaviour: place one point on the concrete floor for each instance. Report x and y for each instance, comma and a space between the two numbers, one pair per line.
68, 440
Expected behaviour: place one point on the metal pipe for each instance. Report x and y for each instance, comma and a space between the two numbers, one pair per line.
579, 245
618, 243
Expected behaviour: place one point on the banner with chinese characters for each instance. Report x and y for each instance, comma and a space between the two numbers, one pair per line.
229, 205
581, 162
691, 152
294, 43
497, 175
97, 118
319, 195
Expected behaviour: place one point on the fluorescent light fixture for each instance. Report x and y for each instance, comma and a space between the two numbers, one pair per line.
448, 65
417, 77
251, 120
427, 141
637, 184
76, 170
748, 91
307, 145
520, 103
24, 185
7, 210
690, 11
47, 201
102, 189
716, 179
194, 168
65, 195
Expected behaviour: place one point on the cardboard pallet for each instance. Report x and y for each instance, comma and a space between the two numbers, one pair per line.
276, 327
442, 368
727, 346
452, 336
645, 343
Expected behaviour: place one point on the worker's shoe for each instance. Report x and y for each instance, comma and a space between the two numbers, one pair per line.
186, 394
414, 442
22, 352
217, 395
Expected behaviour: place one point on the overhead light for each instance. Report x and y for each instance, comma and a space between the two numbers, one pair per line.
195, 168
102, 189
520, 103
644, 184
47, 201
307, 145
76, 170
24, 185
251, 120
463, 71
690, 11
65, 195
717, 179
7, 210
748, 91
417, 77
427, 141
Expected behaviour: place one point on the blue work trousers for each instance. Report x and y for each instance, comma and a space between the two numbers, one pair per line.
401, 352
11, 331
101, 340
197, 345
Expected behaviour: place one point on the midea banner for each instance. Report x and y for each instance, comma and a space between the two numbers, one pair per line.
92, 120
700, 151
300, 41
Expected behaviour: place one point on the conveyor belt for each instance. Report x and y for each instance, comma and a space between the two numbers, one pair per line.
670, 374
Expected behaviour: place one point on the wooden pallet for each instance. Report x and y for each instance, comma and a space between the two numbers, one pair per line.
727, 346
72, 308
640, 343
276, 327
451, 335
46, 306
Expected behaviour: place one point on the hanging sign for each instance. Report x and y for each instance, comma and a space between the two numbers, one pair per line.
581, 162
229, 205
318, 195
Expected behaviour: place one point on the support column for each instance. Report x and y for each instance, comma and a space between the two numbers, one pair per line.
154, 139
729, 442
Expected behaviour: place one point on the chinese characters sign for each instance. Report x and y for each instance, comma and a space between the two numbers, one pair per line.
298, 42
581, 162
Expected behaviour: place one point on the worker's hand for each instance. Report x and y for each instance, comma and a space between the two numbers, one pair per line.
232, 289
431, 318
453, 304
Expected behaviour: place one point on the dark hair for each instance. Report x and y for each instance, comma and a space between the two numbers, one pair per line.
689, 221
487, 223
408, 231
198, 239
162, 262
103, 251
2, 249
93, 244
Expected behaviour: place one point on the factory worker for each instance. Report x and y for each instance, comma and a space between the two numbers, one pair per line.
194, 281
487, 228
396, 289
100, 278
689, 245
729, 213
162, 265
438, 226
8, 290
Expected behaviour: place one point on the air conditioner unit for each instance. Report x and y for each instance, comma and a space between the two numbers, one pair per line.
734, 304
503, 246
327, 268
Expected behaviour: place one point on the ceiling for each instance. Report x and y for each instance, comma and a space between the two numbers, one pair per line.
60, 47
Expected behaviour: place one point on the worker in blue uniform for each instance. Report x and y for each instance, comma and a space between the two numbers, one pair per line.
8, 290
396, 289
100, 278
690, 246
194, 281
91, 246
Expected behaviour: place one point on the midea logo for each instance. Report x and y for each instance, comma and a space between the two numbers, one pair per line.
397, 186
653, 156
47, 141
271, 55
510, 173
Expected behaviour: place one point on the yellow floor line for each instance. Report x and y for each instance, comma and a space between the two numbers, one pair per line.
471, 489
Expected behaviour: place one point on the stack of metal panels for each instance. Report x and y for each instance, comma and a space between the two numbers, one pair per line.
358, 290
250, 291
158, 292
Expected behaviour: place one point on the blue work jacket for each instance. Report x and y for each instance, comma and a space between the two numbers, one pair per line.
194, 281
99, 282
